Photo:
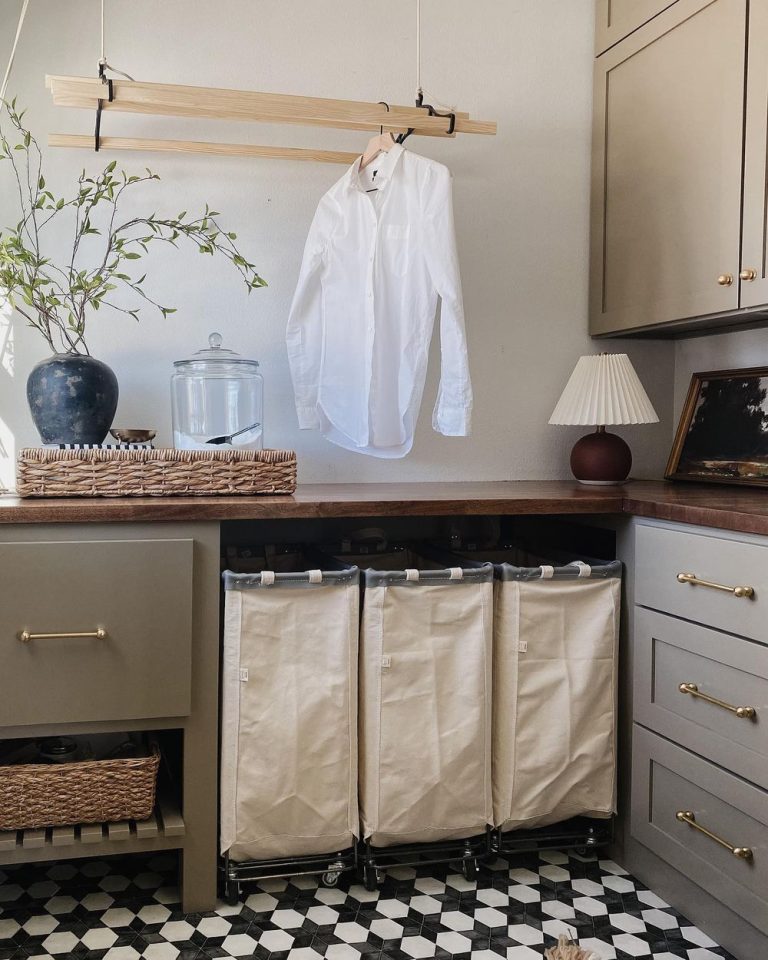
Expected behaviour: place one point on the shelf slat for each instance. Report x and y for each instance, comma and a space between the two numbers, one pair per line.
173, 823
62, 836
120, 830
32, 839
164, 830
91, 832
8, 840
147, 828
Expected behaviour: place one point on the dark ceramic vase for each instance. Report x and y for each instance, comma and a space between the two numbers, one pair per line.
72, 398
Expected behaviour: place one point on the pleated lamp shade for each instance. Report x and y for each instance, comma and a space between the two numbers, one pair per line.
604, 389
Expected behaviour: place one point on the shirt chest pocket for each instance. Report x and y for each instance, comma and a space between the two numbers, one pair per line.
395, 249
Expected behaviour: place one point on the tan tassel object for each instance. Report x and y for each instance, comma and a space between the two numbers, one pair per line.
566, 949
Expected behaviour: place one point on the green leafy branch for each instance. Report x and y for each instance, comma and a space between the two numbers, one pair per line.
56, 298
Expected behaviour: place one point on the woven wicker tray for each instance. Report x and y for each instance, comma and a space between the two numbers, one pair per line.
154, 473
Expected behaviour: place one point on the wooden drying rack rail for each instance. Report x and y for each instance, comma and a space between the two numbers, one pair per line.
173, 100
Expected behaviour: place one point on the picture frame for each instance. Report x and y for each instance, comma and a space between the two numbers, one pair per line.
722, 436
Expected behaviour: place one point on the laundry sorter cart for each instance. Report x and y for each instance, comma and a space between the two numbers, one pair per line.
554, 699
289, 724
425, 712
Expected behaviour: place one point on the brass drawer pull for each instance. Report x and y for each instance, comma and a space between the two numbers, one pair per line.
688, 816
745, 713
739, 592
25, 636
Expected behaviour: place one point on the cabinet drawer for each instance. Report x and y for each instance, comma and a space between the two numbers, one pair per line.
616, 19
669, 652
138, 592
662, 554
667, 780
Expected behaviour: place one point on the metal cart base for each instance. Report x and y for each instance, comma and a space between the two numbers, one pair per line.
373, 861
328, 866
580, 833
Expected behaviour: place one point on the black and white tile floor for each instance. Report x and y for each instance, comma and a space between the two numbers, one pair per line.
126, 909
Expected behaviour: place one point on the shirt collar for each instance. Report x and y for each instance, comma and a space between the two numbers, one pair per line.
386, 168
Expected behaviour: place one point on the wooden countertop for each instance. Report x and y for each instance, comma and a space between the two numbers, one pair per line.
732, 508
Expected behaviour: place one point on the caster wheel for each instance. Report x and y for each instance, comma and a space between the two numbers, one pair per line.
582, 851
232, 893
469, 869
331, 878
370, 878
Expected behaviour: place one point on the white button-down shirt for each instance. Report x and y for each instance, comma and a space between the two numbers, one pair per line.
380, 251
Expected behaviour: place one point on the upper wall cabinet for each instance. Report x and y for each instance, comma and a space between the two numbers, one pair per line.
669, 140
616, 19
754, 252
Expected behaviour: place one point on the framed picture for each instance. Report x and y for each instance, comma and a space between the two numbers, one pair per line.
722, 436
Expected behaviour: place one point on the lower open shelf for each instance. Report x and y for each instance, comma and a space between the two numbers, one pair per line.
164, 830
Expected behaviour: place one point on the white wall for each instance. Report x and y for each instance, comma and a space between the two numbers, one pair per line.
521, 202
722, 351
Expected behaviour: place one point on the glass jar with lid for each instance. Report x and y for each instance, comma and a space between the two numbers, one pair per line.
217, 398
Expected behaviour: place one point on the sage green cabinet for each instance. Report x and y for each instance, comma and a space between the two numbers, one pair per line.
616, 19
88, 627
667, 177
754, 259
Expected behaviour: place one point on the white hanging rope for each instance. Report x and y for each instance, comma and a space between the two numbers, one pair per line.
419, 91
23, 14
103, 59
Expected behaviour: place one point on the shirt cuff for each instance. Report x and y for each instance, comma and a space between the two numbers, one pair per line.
309, 419
453, 421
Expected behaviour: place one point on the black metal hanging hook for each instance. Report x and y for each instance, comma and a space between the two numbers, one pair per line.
105, 80
451, 117
384, 104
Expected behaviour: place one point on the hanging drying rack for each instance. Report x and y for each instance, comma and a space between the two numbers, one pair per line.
106, 94
103, 94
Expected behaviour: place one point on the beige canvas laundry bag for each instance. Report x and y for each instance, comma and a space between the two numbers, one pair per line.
425, 707
554, 694
289, 714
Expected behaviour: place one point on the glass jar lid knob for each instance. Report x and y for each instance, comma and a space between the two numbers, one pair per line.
215, 341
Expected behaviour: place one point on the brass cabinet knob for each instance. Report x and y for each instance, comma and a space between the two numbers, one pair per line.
749, 274
725, 279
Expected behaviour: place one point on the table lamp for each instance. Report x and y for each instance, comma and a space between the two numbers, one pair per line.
603, 390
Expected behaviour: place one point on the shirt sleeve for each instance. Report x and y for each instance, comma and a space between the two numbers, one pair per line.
453, 410
304, 332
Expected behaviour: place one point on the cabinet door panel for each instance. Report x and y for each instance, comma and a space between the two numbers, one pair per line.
616, 19
754, 292
139, 592
666, 166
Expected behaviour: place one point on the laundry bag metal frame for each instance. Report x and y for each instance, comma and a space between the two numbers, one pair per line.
326, 689
399, 661
584, 815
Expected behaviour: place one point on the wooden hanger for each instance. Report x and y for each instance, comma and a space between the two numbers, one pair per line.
381, 143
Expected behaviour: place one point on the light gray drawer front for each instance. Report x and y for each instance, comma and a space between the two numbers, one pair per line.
661, 554
667, 779
138, 591
669, 652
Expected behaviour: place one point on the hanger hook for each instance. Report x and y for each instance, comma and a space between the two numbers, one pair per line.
384, 104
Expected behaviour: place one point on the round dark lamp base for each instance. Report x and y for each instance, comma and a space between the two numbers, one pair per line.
601, 457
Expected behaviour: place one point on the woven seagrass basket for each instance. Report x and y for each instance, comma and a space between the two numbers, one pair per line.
87, 791
154, 473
